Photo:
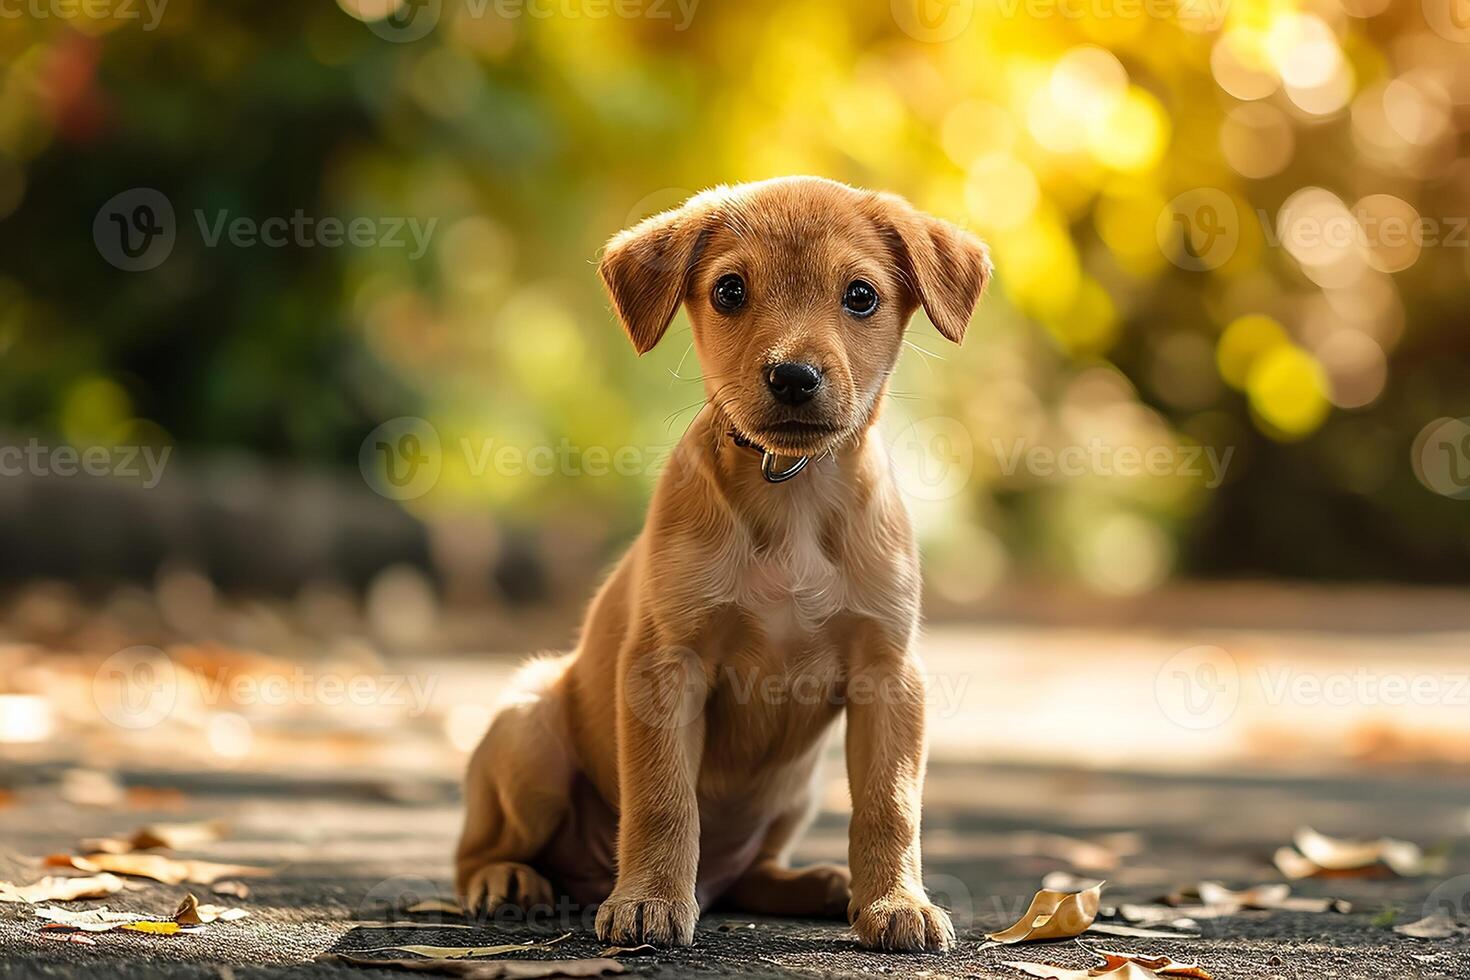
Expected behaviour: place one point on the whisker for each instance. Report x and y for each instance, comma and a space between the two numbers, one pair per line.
680, 366
928, 355
669, 420
923, 350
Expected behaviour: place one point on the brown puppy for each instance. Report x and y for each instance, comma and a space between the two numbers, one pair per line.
669, 761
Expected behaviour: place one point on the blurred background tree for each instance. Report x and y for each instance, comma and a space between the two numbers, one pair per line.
1155, 181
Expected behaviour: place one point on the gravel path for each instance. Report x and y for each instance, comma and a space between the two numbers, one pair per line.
348, 849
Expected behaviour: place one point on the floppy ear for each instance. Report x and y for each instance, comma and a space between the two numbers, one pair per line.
947, 268
646, 270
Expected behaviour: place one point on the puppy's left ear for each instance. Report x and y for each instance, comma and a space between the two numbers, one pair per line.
646, 270
946, 267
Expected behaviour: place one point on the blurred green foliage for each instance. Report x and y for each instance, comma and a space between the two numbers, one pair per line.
1077, 138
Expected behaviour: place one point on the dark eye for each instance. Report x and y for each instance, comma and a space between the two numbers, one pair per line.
861, 299
729, 294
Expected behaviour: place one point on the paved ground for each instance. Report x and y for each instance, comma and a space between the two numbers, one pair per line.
347, 849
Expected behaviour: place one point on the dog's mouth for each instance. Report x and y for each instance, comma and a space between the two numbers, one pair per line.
794, 437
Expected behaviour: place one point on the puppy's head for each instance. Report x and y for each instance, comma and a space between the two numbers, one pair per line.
799, 291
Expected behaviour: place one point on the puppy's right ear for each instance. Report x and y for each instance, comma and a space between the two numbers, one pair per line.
646, 270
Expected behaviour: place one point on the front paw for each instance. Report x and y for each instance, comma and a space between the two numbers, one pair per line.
903, 922
634, 920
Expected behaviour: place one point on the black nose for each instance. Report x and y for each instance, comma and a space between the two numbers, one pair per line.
793, 382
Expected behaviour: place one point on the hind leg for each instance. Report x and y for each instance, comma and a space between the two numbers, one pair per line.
770, 886
516, 794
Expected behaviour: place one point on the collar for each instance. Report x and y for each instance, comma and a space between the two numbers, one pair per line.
768, 460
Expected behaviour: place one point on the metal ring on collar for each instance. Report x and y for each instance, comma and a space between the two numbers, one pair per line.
768, 468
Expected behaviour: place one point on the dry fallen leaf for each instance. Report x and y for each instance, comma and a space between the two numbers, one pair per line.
644, 950
1271, 897
165, 869
156, 798
409, 924
190, 916
1133, 932
190, 913
497, 970
1175, 916
1128, 971
53, 889
1317, 855
1049, 971
70, 937
174, 836
1053, 915
1290, 863
1161, 965
1082, 854
105, 920
1437, 926
467, 952
1119, 966
237, 889
436, 905
90, 787
1065, 881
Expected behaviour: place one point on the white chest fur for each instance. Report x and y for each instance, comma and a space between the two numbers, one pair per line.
792, 585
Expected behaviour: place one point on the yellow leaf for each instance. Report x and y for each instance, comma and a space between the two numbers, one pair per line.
159, 928
1054, 915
